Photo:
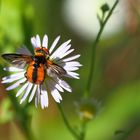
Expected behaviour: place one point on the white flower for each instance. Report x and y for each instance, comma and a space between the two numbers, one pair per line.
53, 83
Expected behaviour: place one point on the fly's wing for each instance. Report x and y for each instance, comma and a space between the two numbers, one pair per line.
23, 50
18, 60
54, 70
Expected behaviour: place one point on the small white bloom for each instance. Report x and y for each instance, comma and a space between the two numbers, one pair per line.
53, 83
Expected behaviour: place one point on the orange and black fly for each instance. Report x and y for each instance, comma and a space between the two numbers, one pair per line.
37, 65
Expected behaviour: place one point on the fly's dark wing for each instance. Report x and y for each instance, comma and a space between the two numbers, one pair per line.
18, 60
54, 70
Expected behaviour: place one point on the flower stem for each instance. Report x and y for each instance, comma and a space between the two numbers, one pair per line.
83, 130
94, 47
71, 130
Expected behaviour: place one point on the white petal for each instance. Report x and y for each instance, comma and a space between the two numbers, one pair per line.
64, 85
45, 41
13, 75
33, 93
57, 86
54, 92
13, 69
71, 58
22, 89
56, 95
73, 64
54, 44
12, 79
72, 75
68, 52
38, 42
61, 50
44, 99
59, 53
68, 68
37, 98
16, 84
30, 85
33, 41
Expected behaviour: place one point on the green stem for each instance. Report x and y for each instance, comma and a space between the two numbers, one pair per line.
95, 44
71, 130
83, 130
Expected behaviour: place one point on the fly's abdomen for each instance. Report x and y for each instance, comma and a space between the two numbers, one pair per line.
40, 74
35, 73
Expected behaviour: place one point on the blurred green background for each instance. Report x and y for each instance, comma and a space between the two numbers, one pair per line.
116, 83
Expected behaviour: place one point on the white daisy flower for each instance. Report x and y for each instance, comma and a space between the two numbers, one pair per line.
41, 74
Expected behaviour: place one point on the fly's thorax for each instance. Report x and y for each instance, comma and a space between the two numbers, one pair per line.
39, 59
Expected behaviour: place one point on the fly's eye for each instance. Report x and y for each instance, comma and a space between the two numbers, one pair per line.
45, 50
38, 49
42, 50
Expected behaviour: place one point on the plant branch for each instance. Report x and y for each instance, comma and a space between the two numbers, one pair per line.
71, 130
94, 47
